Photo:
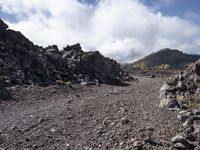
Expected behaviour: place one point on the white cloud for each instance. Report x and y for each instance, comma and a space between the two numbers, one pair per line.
124, 30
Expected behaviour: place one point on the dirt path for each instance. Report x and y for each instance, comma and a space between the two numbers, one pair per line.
96, 117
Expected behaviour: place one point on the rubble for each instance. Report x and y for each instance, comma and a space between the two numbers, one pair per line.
22, 62
92, 66
185, 89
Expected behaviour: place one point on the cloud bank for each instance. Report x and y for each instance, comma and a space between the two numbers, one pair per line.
121, 29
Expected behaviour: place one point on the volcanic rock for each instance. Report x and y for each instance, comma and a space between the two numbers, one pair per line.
22, 62
3, 26
186, 90
184, 86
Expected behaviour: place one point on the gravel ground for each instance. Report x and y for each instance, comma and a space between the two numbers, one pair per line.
87, 117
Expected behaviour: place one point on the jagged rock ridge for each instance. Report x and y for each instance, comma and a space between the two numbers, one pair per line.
22, 62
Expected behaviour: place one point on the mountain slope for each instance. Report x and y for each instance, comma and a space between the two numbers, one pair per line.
174, 58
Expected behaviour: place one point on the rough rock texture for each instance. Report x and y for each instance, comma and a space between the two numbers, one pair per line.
184, 88
105, 117
182, 92
92, 65
3, 26
22, 62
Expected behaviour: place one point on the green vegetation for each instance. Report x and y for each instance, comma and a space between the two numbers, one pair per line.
163, 66
140, 66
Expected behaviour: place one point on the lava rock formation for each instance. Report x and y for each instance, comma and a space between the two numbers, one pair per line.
22, 62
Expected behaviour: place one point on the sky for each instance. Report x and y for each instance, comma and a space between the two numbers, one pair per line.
125, 30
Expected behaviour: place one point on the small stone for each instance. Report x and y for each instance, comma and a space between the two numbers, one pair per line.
150, 129
13, 127
184, 106
165, 87
196, 125
188, 130
70, 101
196, 111
53, 130
27, 139
197, 147
121, 143
174, 104
164, 102
97, 82
187, 122
112, 124
69, 117
125, 121
184, 115
152, 76
84, 83
178, 138
181, 143
138, 144
168, 102
191, 137
60, 82
78, 96
180, 146
181, 86
40, 120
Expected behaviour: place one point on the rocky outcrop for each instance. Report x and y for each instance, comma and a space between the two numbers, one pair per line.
3, 26
183, 87
22, 62
182, 93
93, 65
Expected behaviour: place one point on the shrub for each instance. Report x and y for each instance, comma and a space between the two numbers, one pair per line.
163, 66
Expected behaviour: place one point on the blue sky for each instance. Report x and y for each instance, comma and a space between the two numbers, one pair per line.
181, 8
122, 29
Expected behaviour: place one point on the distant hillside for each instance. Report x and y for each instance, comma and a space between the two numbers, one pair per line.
166, 58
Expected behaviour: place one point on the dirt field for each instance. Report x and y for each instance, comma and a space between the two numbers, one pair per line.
87, 117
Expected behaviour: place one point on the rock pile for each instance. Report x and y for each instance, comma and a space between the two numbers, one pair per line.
22, 62
182, 92
90, 66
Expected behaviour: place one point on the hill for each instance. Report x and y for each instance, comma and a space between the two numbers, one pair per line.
166, 58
